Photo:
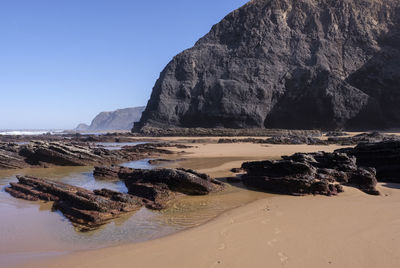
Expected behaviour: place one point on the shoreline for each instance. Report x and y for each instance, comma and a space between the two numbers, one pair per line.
244, 230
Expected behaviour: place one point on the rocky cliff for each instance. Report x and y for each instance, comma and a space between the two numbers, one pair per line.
121, 119
301, 64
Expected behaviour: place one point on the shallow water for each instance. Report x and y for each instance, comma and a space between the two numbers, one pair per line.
31, 230
116, 145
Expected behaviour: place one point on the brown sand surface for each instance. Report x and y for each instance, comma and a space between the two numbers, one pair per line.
217, 159
351, 230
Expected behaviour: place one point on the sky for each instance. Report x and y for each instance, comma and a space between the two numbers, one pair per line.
62, 62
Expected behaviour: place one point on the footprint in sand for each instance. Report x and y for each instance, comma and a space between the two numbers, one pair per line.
277, 231
283, 257
272, 242
232, 221
222, 246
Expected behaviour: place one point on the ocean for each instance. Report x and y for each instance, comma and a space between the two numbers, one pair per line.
31, 132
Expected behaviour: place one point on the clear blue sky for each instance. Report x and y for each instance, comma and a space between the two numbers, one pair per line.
62, 62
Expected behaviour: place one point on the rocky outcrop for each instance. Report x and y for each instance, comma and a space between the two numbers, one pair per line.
121, 119
291, 139
69, 153
314, 173
61, 154
160, 185
383, 156
302, 64
9, 158
370, 137
222, 132
90, 209
85, 209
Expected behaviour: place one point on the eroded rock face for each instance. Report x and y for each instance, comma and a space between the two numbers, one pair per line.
383, 156
313, 173
85, 209
287, 64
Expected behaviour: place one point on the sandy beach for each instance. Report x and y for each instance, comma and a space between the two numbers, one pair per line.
350, 230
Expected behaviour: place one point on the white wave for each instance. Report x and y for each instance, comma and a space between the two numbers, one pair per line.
29, 132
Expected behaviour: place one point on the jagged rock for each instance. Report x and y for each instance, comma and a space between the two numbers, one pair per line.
106, 172
336, 134
72, 153
159, 185
303, 64
84, 208
9, 158
371, 137
383, 156
221, 132
60, 154
312, 173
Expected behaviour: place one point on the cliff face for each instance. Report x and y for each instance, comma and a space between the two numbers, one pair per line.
121, 119
287, 64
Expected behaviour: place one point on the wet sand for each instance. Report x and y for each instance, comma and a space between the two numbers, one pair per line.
351, 230
30, 230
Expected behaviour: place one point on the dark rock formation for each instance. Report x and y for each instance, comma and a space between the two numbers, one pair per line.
84, 208
159, 185
327, 64
223, 132
121, 119
90, 209
336, 134
313, 173
61, 154
70, 153
371, 137
383, 156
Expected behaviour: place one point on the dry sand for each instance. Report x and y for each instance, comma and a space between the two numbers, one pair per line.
351, 230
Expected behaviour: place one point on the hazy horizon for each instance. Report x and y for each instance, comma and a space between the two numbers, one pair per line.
62, 63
